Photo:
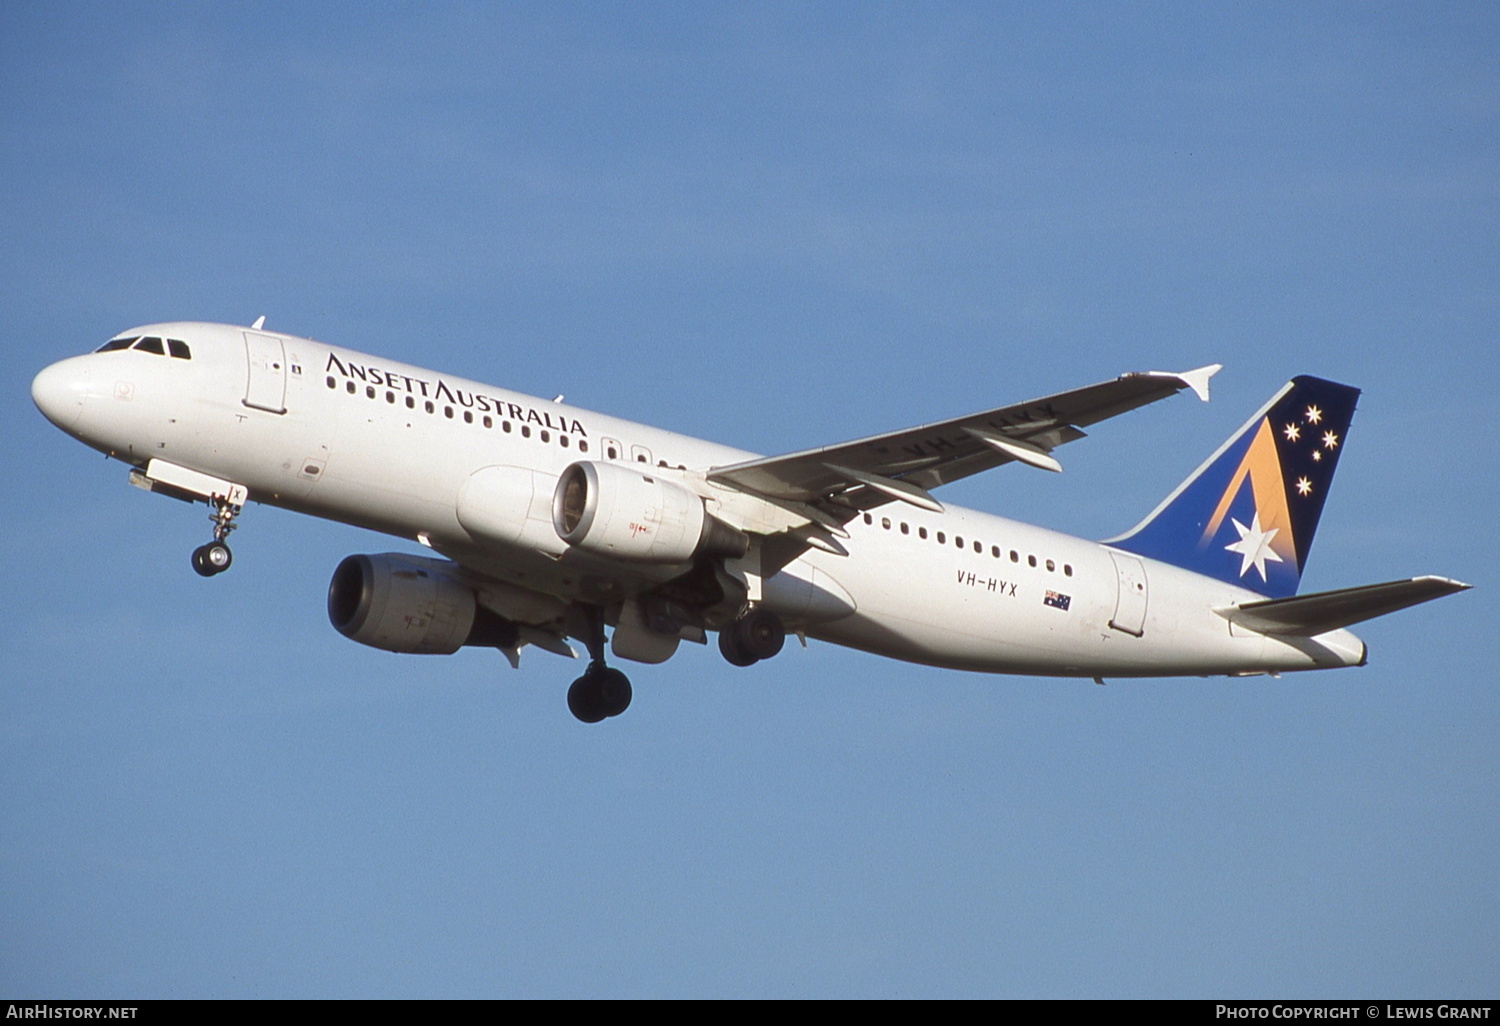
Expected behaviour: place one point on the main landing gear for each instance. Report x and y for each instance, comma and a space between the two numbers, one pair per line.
215, 557
602, 691
752, 637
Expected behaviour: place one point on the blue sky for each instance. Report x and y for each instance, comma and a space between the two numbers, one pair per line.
776, 226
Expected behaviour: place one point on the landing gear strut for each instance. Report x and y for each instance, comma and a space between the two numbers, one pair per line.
602, 691
215, 557
757, 635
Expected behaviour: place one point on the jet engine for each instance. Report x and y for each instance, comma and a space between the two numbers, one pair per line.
408, 604
610, 510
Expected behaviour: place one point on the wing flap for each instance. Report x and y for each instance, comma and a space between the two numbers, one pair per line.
1309, 615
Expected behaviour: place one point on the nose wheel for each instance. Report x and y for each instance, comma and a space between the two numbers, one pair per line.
215, 557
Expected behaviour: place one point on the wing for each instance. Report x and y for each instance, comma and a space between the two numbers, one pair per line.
839, 480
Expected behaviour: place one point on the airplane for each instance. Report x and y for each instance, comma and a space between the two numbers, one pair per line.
547, 522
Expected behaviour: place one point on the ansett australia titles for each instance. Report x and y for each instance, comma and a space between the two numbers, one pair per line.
440, 391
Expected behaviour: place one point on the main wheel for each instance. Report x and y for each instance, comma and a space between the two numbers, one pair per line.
614, 691
731, 649
584, 699
760, 633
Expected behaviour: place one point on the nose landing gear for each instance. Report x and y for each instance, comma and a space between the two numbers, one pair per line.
215, 557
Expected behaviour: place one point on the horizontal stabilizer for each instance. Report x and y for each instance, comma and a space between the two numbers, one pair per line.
1309, 615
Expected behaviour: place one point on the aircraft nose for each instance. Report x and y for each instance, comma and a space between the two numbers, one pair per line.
59, 391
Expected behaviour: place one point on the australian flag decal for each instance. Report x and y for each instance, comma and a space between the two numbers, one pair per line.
1057, 600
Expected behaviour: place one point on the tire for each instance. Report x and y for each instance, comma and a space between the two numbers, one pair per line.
760, 633
584, 699
729, 646
614, 691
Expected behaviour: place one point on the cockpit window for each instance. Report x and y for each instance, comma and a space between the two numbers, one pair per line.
149, 344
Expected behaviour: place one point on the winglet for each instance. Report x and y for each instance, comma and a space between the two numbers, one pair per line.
1197, 380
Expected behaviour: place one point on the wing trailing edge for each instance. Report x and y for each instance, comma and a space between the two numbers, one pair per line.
1306, 616
906, 464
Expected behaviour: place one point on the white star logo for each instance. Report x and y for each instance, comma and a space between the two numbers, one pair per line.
1304, 486
1293, 432
1254, 546
1317, 456
1314, 415
1330, 440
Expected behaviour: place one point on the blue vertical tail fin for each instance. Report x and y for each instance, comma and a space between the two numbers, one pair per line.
1248, 514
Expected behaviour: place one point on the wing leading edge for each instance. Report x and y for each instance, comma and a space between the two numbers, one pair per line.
904, 465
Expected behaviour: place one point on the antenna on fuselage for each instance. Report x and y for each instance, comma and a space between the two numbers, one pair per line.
260, 322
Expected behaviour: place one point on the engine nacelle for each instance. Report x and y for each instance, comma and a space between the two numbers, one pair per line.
616, 511
401, 604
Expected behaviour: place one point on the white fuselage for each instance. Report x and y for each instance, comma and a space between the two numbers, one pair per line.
391, 447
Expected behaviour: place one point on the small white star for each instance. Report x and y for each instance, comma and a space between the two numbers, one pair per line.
1304, 486
1330, 440
1293, 432
1254, 546
1314, 415
1317, 456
